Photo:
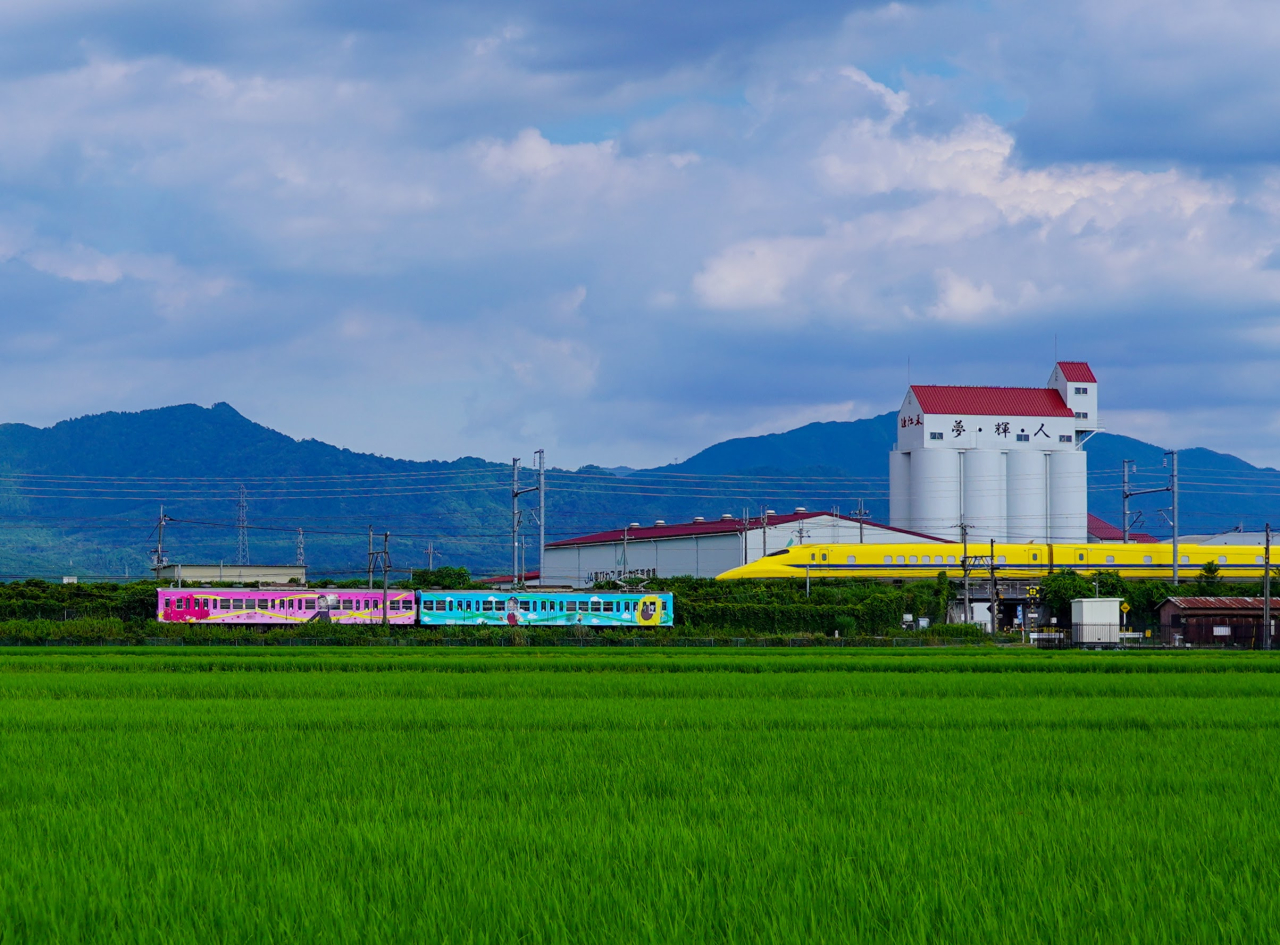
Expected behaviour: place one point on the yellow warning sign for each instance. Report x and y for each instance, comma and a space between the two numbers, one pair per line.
1125, 607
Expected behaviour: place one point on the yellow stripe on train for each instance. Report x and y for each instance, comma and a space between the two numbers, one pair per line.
920, 560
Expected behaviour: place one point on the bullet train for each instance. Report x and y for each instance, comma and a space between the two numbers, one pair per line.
1012, 562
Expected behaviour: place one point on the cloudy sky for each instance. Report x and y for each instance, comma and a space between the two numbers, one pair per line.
626, 231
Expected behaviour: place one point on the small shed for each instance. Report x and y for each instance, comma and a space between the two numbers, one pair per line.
1213, 621
1096, 620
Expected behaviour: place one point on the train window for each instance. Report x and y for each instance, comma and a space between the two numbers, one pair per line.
901, 560
524, 605
486, 605
824, 556
1000, 559
1146, 559
168, 602
571, 606
310, 603
1111, 559
913, 559
951, 559
595, 606
1258, 559
851, 559
1081, 556
1183, 559
888, 559
440, 606
928, 560
177, 604
608, 607
262, 603
237, 604
812, 556
348, 604
450, 604
1222, 559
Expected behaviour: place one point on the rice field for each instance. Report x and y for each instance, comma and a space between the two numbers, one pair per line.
664, 796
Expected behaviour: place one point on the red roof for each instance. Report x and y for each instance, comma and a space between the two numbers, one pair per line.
1105, 531
729, 526
1077, 372
992, 401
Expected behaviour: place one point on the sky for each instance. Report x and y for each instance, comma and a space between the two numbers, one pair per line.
624, 232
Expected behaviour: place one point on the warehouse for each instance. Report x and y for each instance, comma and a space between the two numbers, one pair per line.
701, 548
1212, 621
1002, 463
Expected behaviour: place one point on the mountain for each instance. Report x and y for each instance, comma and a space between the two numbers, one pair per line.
84, 495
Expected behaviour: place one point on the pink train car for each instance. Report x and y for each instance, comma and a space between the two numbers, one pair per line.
281, 605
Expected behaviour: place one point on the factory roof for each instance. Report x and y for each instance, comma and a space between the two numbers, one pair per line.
992, 401
726, 526
1102, 530
1077, 372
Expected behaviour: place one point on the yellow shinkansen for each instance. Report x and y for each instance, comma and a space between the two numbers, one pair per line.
1026, 561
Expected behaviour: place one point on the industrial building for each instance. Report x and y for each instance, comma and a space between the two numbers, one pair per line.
1002, 463
702, 548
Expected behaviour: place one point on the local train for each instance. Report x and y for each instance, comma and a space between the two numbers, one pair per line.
283, 606
1012, 562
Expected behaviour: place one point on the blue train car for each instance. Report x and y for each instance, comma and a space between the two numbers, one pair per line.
533, 609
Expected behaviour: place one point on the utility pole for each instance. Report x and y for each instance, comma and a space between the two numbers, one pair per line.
431, 556
516, 493
386, 568
370, 557
158, 558
1266, 590
542, 512
242, 529
964, 564
764, 532
993, 589
1124, 498
1173, 486
625, 534
862, 517
302, 551
1126, 493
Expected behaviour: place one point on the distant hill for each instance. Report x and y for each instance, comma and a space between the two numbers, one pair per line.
83, 496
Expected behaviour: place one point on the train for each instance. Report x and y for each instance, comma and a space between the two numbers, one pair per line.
1012, 561
287, 606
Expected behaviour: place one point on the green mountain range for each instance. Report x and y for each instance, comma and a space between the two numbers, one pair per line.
83, 496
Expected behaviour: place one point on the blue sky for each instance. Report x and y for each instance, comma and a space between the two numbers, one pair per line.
626, 231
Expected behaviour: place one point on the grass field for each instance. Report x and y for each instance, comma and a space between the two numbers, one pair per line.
676, 796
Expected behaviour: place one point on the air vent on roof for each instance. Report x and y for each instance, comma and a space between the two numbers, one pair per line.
770, 512
699, 518
726, 517
660, 522
800, 509
634, 525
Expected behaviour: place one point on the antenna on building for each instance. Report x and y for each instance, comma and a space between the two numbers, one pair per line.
242, 529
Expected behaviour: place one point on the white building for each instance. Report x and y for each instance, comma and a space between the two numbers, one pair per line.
701, 548
1007, 462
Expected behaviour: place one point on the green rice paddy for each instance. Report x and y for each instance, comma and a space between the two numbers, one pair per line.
167, 795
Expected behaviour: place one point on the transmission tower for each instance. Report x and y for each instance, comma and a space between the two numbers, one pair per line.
242, 529
302, 551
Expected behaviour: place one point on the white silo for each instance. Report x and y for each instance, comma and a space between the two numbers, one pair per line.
985, 508
900, 489
935, 492
1069, 496
1026, 494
